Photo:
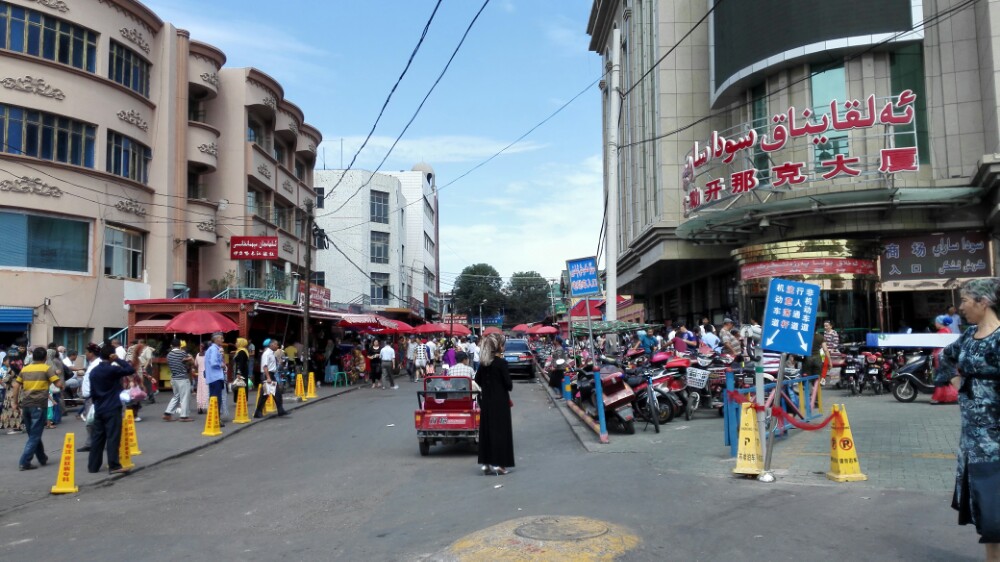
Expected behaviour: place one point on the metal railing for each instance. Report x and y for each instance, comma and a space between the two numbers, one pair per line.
250, 293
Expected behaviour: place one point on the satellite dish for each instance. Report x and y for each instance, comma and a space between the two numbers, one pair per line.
223, 203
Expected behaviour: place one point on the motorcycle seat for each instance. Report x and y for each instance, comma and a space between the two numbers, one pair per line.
635, 381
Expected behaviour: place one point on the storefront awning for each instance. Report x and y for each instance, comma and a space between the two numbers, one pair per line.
150, 327
16, 315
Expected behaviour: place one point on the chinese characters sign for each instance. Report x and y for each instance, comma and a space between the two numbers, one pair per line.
790, 316
253, 248
319, 297
820, 130
939, 256
583, 277
823, 266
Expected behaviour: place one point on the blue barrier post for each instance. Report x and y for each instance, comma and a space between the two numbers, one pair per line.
729, 422
567, 392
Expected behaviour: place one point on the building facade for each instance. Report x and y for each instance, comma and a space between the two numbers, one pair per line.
364, 214
129, 157
422, 228
850, 145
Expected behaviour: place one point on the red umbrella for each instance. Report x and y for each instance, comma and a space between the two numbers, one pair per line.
357, 321
395, 326
520, 328
457, 330
546, 330
200, 322
492, 330
430, 328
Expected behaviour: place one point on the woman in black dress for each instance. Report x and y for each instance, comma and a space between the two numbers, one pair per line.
496, 437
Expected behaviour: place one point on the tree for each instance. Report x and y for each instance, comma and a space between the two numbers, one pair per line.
478, 283
527, 295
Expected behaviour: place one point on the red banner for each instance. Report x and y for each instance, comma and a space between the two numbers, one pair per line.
319, 297
253, 248
819, 266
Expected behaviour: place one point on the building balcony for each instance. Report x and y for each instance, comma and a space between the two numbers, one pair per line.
203, 145
201, 217
260, 166
204, 62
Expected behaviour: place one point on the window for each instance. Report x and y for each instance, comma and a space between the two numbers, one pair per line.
428, 210
44, 242
255, 133
320, 196
428, 279
47, 136
428, 243
253, 202
41, 35
760, 122
380, 247
128, 158
282, 217
906, 68
127, 68
75, 339
300, 169
122, 253
194, 186
380, 207
196, 110
280, 152
318, 278
827, 86
380, 289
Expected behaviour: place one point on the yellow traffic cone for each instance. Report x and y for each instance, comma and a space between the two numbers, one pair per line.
749, 458
241, 406
300, 392
844, 464
133, 439
124, 451
257, 402
311, 389
66, 479
212, 419
269, 405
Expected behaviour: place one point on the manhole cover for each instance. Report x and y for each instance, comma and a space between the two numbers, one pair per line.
561, 529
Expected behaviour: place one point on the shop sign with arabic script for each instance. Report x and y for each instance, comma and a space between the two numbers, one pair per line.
937, 256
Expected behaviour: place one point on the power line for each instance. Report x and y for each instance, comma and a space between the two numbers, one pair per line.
415, 113
389, 97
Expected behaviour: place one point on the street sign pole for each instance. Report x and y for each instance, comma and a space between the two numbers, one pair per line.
767, 475
598, 387
583, 282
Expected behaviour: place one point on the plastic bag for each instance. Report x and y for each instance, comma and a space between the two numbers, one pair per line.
945, 395
270, 388
90, 415
136, 393
125, 397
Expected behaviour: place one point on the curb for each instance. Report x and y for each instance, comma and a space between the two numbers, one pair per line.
564, 410
139, 468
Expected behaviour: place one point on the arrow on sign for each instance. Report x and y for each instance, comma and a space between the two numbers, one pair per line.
771, 339
802, 341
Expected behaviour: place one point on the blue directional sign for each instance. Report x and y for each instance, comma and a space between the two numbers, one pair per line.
790, 317
583, 277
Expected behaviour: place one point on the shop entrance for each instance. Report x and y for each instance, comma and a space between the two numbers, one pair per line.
917, 309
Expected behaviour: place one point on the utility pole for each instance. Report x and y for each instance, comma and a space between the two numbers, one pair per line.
611, 244
310, 238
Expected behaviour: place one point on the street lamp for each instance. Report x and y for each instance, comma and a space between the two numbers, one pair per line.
481, 317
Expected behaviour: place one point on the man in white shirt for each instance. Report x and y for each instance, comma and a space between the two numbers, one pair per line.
119, 350
388, 357
431, 351
411, 357
93, 359
268, 374
473, 353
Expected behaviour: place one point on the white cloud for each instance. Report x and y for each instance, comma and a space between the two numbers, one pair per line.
566, 35
535, 227
435, 149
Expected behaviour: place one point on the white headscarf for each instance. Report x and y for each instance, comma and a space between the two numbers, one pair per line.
492, 344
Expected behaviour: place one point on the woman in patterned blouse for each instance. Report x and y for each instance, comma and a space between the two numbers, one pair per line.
976, 357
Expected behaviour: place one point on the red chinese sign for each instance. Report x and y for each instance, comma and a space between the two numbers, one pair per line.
819, 266
842, 117
253, 248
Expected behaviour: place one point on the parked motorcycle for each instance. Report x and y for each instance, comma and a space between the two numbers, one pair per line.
913, 377
871, 373
617, 394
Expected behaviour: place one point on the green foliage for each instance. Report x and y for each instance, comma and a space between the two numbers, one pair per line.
527, 295
478, 283
227, 281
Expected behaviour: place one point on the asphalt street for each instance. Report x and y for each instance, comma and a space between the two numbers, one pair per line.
343, 480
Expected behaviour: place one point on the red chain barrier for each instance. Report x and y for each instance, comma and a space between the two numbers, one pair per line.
782, 415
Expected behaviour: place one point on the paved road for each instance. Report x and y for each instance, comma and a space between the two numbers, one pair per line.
342, 480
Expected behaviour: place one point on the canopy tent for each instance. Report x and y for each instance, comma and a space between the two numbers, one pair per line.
430, 328
520, 328
543, 330
460, 330
605, 327
199, 322
492, 330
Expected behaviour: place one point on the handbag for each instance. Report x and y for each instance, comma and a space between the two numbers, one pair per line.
240, 382
984, 499
270, 388
136, 393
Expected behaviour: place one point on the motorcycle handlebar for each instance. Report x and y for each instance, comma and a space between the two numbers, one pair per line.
609, 360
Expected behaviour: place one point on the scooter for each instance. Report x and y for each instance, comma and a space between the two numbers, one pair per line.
871, 374
617, 394
913, 378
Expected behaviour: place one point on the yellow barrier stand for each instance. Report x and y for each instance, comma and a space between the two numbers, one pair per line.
241, 416
269, 405
311, 388
300, 391
133, 439
66, 478
749, 457
212, 419
844, 464
124, 451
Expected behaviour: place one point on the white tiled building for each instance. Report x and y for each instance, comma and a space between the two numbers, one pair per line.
422, 227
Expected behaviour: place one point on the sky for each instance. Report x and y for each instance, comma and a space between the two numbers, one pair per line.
529, 209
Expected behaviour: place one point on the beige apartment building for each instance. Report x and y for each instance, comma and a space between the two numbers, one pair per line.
129, 158
850, 144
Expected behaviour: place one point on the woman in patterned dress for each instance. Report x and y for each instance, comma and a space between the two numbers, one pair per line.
976, 357
10, 417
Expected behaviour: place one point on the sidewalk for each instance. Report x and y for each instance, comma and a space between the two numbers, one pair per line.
159, 441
